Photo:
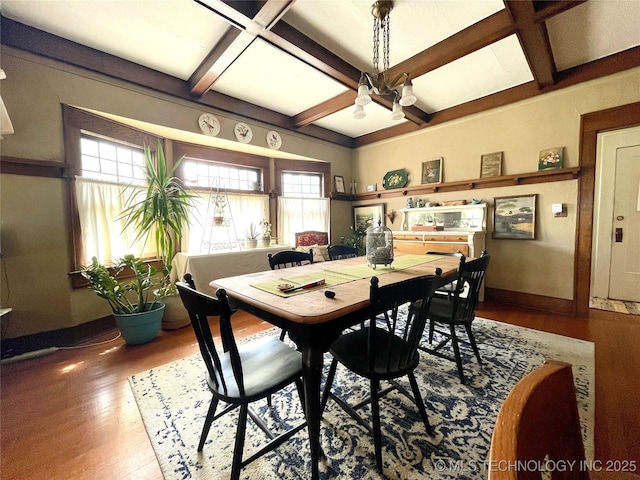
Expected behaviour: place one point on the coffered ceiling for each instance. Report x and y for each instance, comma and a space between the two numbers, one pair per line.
295, 64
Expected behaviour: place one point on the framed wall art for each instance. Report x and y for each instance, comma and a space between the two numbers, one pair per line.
491, 165
550, 158
515, 217
367, 216
339, 183
432, 171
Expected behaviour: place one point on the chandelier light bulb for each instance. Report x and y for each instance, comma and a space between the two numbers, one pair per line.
359, 112
363, 97
408, 98
397, 113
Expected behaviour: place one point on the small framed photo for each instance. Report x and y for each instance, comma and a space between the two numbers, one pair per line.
372, 187
367, 216
339, 182
432, 171
491, 165
550, 158
515, 217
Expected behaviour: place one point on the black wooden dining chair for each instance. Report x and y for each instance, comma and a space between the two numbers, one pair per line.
337, 252
289, 259
386, 348
450, 287
455, 310
242, 374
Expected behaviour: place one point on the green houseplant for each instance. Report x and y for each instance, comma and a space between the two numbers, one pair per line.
135, 307
162, 211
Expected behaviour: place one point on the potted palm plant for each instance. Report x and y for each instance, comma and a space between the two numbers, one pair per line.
161, 211
135, 307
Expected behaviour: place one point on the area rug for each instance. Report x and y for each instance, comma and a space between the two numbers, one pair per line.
173, 401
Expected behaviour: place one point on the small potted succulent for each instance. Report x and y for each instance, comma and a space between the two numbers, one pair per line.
134, 305
251, 236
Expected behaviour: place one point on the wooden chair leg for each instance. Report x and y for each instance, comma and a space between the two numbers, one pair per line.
472, 341
328, 383
375, 417
236, 466
207, 422
419, 402
456, 352
432, 327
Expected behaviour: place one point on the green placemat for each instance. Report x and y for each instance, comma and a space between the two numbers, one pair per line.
330, 279
342, 275
399, 263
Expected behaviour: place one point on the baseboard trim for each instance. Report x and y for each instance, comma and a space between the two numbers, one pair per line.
529, 300
64, 337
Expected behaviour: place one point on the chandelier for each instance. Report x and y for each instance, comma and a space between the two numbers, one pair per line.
378, 81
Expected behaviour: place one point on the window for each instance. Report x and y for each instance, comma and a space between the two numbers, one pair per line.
110, 161
301, 185
210, 175
304, 203
242, 180
104, 157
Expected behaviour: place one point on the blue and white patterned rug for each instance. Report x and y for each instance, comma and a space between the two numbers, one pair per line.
173, 401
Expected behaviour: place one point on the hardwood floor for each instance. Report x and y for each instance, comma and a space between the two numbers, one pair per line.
71, 414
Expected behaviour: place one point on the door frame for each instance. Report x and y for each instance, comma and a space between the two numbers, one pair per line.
591, 124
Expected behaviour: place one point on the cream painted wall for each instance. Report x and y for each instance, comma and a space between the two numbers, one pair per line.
543, 266
34, 226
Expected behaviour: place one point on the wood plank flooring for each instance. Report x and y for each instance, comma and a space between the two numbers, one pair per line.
71, 414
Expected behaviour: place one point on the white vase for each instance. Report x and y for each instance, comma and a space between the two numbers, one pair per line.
251, 242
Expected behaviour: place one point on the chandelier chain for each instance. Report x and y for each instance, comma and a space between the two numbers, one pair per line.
376, 44
386, 25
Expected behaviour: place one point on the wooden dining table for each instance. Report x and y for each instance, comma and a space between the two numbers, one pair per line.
313, 319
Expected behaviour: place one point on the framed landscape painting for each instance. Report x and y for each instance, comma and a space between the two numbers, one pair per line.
515, 217
368, 216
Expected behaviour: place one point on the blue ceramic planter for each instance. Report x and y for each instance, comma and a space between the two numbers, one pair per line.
139, 328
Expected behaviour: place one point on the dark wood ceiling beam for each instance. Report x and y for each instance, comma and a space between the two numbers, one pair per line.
534, 41
254, 17
550, 8
226, 51
324, 109
477, 36
298, 45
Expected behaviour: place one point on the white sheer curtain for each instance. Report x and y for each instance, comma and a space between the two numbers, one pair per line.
300, 214
99, 206
243, 210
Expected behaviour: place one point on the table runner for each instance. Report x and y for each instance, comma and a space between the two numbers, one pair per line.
336, 276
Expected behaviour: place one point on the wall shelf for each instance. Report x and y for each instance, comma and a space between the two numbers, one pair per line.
558, 175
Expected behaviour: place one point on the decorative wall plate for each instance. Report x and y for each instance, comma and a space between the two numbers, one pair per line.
395, 179
243, 132
209, 124
273, 140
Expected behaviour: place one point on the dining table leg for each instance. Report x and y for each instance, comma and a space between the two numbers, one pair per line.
312, 376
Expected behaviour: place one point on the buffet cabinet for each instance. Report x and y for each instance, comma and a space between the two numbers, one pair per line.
459, 228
